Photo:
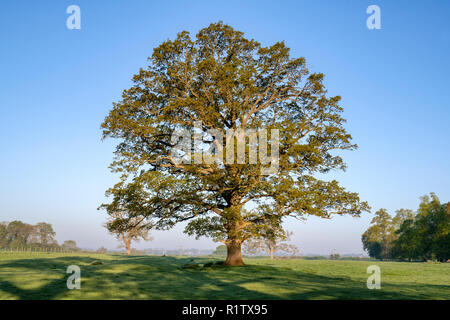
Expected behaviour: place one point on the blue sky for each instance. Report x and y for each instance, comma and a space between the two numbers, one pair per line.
57, 85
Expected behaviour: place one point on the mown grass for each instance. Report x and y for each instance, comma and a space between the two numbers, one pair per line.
43, 276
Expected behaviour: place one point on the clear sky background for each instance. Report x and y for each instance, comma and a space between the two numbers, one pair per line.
57, 85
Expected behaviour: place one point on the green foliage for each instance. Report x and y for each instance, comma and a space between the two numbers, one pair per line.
378, 238
45, 234
70, 245
221, 250
3, 234
428, 236
424, 236
401, 216
17, 234
408, 245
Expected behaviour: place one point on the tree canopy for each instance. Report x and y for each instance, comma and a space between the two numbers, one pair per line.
70, 245
127, 218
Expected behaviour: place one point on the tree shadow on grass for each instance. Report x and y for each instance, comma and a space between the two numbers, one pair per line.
151, 277
274, 282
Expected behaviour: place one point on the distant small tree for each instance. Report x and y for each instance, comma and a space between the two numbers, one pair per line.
127, 229
272, 239
70, 245
334, 256
125, 219
221, 250
102, 250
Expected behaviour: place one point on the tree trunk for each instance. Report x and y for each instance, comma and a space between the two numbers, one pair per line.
234, 257
271, 252
127, 243
234, 233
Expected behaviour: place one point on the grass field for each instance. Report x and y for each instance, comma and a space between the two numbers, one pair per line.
43, 276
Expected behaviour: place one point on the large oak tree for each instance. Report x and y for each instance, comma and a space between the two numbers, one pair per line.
229, 82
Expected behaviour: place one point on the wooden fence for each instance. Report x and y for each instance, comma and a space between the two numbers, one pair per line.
31, 250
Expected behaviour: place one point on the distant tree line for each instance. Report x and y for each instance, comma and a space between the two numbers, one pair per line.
20, 235
413, 236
